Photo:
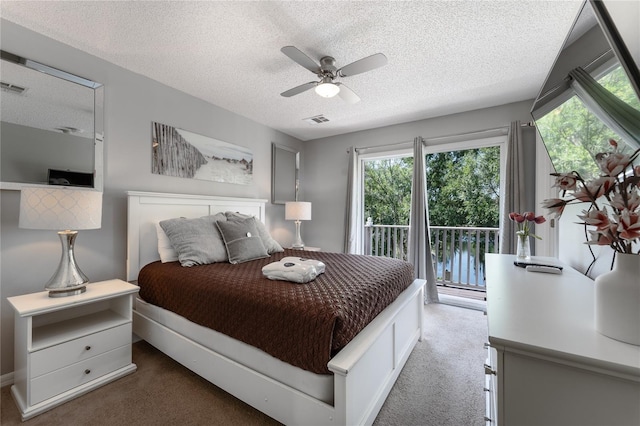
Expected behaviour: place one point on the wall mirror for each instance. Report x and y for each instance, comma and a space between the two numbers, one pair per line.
572, 132
285, 164
52, 126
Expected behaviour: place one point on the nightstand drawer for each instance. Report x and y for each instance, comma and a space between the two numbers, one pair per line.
59, 381
50, 359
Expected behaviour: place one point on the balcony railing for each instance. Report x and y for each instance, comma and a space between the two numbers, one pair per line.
458, 253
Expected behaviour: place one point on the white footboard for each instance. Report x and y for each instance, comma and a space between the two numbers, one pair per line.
364, 371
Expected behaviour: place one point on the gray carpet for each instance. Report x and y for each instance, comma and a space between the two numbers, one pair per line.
440, 385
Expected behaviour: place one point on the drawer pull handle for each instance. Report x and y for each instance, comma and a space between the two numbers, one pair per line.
87, 371
87, 348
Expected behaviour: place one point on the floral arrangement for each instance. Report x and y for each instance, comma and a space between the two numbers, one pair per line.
616, 221
523, 222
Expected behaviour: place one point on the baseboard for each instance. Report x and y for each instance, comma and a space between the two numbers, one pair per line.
6, 379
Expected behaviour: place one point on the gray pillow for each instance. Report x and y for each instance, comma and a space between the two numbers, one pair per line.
242, 240
270, 244
197, 241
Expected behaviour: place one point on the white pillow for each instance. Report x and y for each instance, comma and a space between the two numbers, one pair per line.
165, 249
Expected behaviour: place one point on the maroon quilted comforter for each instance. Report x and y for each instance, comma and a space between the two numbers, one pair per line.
302, 324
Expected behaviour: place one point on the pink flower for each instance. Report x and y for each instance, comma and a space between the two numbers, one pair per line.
629, 225
618, 223
555, 205
597, 218
632, 202
539, 219
612, 164
516, 217
595, 189
600, 238
566, 181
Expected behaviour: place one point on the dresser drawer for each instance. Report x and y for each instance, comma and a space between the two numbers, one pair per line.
59, 356
57, 382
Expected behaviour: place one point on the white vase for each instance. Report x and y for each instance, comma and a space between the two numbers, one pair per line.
523, 249
617, 300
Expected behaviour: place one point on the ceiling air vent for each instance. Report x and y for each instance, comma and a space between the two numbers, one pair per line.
316, 119
8, 87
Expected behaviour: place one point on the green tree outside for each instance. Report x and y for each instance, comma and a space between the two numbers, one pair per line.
462, 188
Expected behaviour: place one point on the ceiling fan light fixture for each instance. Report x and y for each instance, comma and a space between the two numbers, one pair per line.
327, 89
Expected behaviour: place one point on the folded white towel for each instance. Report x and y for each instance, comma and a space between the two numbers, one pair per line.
290, 271
305, 261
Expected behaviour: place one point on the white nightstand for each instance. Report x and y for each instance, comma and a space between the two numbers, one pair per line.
68, 346
308, 248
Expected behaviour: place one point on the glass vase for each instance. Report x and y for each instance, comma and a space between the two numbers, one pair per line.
523, 251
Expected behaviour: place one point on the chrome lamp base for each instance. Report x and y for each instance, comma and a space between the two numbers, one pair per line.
68, 280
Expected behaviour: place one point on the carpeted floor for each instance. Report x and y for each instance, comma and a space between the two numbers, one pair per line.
440, 385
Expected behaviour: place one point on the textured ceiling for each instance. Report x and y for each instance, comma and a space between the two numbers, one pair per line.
444, 56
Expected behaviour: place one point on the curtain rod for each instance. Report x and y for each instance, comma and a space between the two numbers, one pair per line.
475, 132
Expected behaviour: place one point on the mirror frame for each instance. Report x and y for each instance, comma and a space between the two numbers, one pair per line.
281, 195
616, 44
554, 94
98, 118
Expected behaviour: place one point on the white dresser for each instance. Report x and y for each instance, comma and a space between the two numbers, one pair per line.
65, 347
547, 364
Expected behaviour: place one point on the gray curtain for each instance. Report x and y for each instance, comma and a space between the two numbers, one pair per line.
514, 195
353, 220
419, 251
618, 115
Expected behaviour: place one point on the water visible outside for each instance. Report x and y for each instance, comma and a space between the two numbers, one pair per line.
455, 270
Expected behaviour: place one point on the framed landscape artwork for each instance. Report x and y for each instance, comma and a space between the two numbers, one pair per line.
177, 152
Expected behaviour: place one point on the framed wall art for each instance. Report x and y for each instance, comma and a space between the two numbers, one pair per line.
177, 152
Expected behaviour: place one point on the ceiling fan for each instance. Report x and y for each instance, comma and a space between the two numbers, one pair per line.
327, 71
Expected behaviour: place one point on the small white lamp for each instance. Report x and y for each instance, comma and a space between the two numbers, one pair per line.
64, 210
297, 210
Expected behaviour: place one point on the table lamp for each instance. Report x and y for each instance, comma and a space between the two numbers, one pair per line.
297, 210
67, 211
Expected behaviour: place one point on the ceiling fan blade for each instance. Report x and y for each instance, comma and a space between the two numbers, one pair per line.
299, 89
347, 94
363, 65
301, 59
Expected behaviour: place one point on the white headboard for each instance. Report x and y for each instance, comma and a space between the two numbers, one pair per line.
145, 209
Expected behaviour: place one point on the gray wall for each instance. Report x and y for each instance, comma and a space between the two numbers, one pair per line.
29, 258
325, 170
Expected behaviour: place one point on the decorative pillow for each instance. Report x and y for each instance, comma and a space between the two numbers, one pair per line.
270, 244
165, 249
242, 240
197, 241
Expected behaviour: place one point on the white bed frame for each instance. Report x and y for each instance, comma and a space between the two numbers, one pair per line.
364, 371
